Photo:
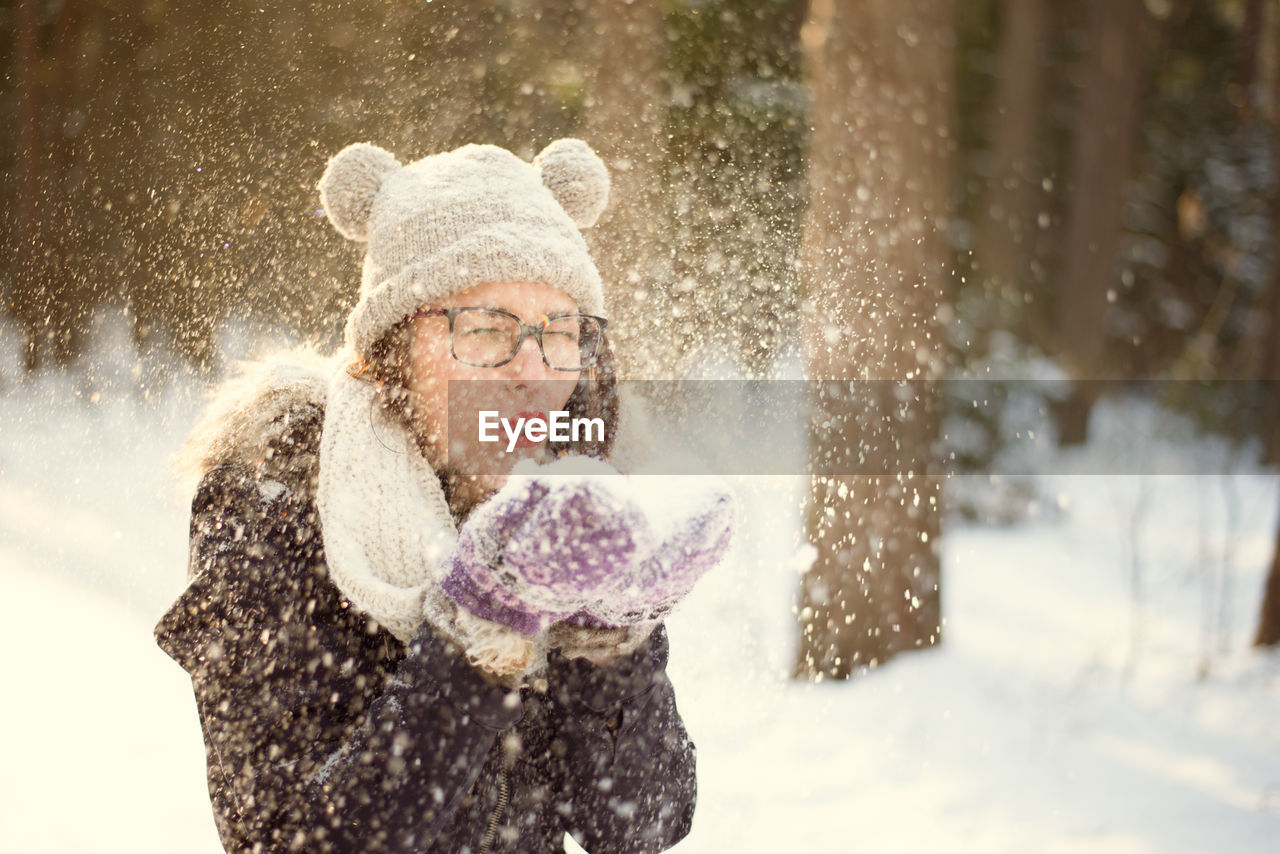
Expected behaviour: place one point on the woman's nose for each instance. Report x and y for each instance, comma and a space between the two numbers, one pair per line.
527, 363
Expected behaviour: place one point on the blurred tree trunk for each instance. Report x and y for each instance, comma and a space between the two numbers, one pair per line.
1271, 351
1007, 228
1269, 617
1106, 133
30, 278
70, 306
624, 123
1247, 70
189, 74
47, 294
129, 142
880, 78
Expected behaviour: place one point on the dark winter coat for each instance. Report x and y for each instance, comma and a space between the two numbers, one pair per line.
324, 733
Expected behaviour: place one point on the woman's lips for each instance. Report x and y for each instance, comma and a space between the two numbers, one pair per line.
529, 415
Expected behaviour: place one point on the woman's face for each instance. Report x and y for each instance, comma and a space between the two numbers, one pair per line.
525, 385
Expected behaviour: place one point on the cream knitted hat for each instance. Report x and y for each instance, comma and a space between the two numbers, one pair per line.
449, 221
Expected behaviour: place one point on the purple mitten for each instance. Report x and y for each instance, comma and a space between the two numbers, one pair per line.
473, 571
693, 524
576, 543
545, 546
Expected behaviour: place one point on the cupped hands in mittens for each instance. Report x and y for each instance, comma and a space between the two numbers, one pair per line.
576, 544
542, 547
576, 541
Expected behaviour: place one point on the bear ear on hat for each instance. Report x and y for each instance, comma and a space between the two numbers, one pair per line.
577, 178
350, 181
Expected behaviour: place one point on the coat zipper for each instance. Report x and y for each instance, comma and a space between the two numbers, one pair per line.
491, 831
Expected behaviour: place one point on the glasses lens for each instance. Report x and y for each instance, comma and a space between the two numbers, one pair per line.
571, 342
484, 337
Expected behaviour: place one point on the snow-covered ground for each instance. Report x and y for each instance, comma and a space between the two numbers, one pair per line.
1057, 716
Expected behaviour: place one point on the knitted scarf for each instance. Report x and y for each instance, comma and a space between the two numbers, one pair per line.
384, 515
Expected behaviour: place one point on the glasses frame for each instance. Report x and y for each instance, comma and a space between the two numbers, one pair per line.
526, 330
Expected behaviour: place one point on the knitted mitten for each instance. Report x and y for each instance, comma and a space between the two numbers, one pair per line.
596, 550
540, 549
473, 573
577, 545
693, 529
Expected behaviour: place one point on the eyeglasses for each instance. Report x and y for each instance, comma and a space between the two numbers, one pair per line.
491, 337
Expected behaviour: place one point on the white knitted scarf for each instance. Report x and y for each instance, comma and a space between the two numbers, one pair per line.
385, 518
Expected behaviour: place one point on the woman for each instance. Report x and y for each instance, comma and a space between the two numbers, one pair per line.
395, 645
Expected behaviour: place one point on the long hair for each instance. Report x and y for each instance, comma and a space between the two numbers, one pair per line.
595, 396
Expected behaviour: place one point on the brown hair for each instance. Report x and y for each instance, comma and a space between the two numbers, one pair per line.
595, 396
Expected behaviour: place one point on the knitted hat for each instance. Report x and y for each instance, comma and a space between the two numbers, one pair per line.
449, 221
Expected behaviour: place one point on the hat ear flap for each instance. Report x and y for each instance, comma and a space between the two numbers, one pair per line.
577, 178
350, 182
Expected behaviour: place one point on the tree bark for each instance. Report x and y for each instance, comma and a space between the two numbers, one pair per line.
625, 126
1271, 356
1269, 616
1269, 619
1247, 70
28, 296
1106, 133
1009, 218
70, 303
874, 255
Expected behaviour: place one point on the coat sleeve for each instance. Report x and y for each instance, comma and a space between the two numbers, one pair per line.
304, 753
629, 765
